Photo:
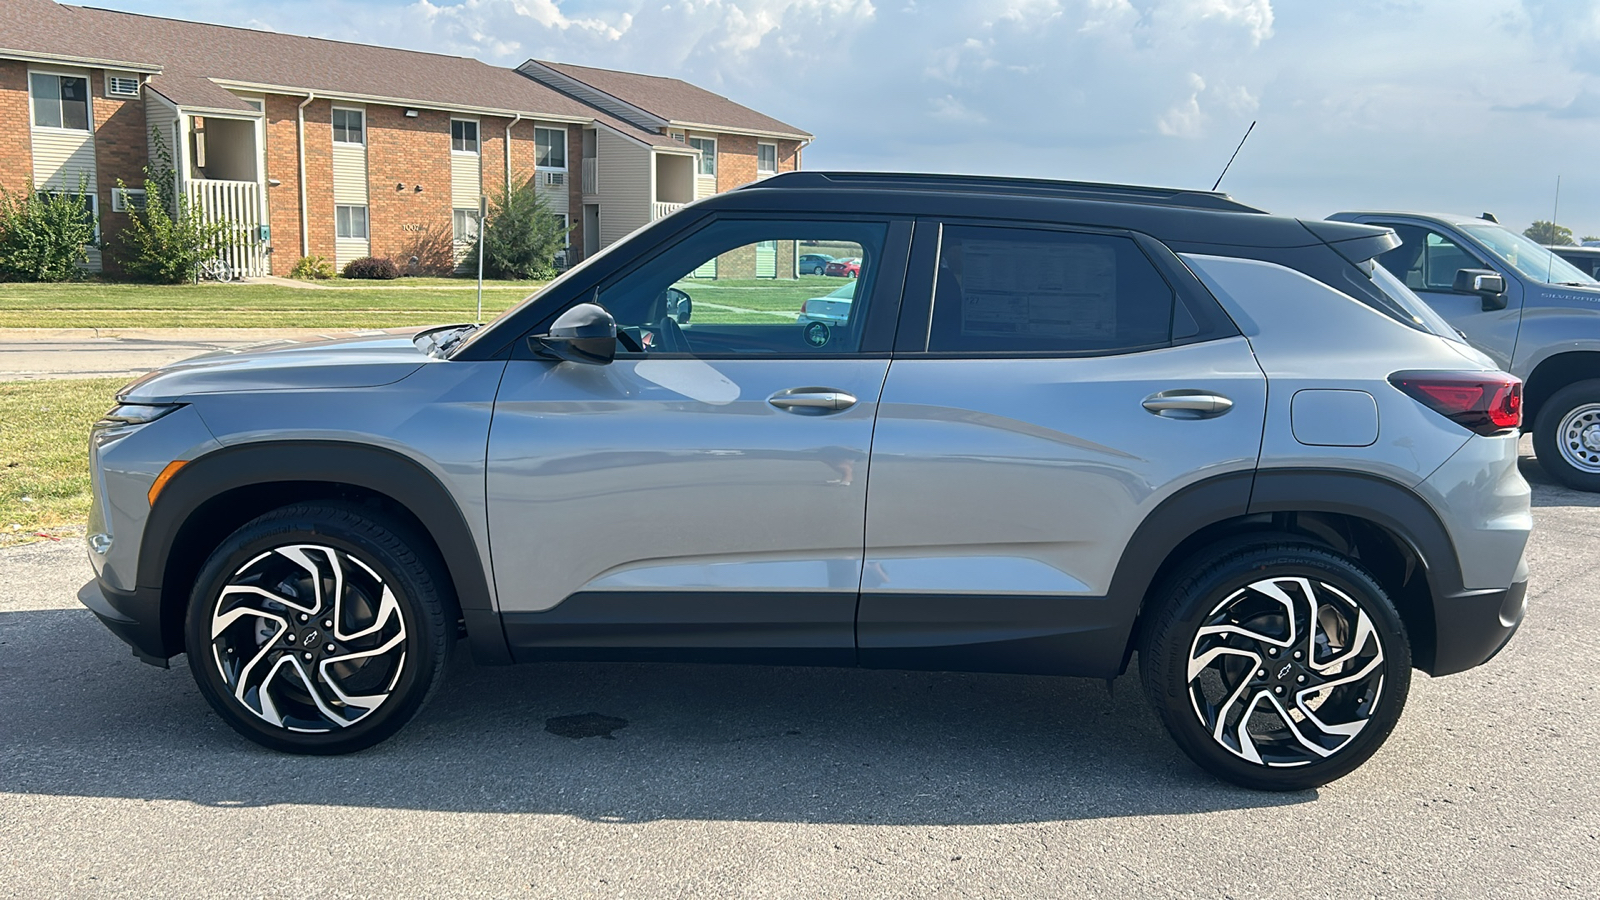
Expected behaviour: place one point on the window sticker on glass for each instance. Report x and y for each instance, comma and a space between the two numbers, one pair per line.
1065, 290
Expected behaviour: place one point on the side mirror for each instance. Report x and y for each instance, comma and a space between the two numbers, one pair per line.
1489, 284
679, 306
586, 333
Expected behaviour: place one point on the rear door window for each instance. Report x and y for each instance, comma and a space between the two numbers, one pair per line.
1020, 290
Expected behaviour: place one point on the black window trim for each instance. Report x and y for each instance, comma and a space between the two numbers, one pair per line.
877, 337
917, 307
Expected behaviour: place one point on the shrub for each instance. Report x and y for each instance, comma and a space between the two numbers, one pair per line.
166, 240
312, 268
45, 236
522, 237
377, 267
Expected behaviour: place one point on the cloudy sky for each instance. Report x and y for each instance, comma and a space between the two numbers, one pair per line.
1454, 105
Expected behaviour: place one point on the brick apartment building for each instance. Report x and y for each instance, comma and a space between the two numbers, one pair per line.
341, 150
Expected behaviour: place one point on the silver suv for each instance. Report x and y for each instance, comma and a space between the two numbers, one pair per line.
1056, 424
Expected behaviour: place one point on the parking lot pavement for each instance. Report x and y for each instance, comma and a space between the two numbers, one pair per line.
116, 778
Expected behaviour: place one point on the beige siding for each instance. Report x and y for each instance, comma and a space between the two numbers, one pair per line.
346, 249
704, 186
159, 116
63, 160
554, 194
624, 174
349, 174
466, 180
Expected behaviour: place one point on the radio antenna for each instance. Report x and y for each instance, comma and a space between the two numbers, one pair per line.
1235, 154
1550, 264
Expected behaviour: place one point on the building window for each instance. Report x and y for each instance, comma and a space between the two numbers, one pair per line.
708, 154
122, 84
464, 225
350, 222
766, 159
349, 126
59, 101
124, 199
463, 136
550, 146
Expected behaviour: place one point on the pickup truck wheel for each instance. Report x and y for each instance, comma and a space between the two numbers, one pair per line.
1279, 667
317, 629
1566, 435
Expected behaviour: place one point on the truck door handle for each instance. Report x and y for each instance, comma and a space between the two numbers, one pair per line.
812, 400
1185, 403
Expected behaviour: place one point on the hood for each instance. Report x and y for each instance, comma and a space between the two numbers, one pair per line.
329, 364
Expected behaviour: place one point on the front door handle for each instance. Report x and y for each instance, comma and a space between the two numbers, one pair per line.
1185, 403
812, 400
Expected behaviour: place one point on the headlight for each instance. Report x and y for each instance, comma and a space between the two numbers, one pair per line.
136, 413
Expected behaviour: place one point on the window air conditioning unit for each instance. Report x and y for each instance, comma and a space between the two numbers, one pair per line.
555, 179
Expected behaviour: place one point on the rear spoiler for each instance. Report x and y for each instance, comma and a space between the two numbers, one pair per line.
1356, 243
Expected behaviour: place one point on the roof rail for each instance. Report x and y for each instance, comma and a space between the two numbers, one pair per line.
989, 184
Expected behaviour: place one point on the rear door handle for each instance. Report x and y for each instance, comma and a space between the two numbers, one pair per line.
1185, 403
812, 400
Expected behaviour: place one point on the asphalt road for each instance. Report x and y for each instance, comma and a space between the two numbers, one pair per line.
117, 779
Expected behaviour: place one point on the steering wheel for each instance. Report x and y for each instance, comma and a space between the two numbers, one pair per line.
670, 337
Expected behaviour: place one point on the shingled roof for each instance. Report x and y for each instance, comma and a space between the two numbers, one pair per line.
195, 61
678, 102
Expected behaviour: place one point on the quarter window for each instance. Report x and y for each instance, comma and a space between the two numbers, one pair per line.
731, 290
59, 101
708, 154
349, 126
350, 222
1034, 291
550, 145
463, 136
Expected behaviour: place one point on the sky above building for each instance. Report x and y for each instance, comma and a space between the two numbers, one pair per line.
1458, 106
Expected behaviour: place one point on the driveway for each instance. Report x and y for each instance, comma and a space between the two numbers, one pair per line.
116, 778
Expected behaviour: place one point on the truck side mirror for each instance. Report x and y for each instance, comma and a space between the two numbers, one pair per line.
1487, 283
586, 333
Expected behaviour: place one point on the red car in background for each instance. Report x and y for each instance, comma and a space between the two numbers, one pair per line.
844, 268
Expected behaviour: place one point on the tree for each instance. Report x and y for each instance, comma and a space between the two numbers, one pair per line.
45, 235
1549, 233
522, 237
166, 241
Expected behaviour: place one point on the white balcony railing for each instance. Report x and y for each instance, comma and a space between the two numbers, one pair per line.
591, 175
660, 210
237, 203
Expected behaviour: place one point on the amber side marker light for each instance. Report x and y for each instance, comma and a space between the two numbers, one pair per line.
165, 476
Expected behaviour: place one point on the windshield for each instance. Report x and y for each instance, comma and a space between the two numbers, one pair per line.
1527, 257
1420, 313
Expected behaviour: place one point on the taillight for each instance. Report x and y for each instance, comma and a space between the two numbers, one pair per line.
1484, 402
805, 308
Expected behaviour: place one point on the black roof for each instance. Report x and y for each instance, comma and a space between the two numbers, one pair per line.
1024, 187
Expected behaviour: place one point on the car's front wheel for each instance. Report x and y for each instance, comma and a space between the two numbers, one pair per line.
1566, 435
317, 629
1279, 667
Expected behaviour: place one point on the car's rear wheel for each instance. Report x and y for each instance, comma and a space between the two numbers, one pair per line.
317, 629
1279, 667
1566, 435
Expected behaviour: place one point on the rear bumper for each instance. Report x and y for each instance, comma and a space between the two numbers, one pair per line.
1473, 627
135, 617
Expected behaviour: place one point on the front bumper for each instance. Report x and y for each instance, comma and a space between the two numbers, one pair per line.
1471, 628
136, 618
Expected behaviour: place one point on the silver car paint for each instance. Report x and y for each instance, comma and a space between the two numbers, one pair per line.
437, 416
1028, 476
1307, 334
124, 462
677, 474
328, 364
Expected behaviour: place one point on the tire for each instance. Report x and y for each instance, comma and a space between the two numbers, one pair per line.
318, 671
817, 271
1254, 664
1566, 435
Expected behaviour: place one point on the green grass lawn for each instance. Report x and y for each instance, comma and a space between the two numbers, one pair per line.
346, 304
769, 299
44, 452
